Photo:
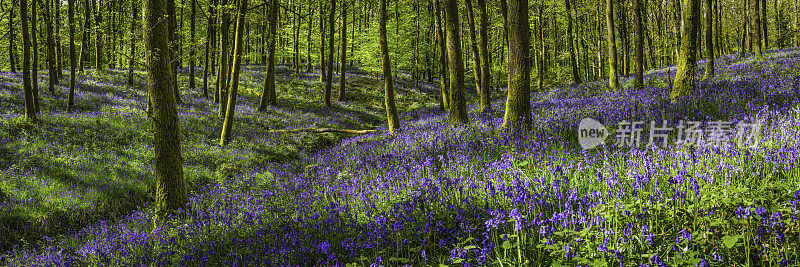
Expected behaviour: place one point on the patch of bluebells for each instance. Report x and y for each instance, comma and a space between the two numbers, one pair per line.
435, 193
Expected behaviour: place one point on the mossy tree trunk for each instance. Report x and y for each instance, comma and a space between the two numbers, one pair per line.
51, 50
484, 54
30, 108
12, 49
222, 74
72, 57
132, 44
709, 35
389, 103
227, 127
687, 61
613, 82
473, 47
458, 103
343, 53
757, 30
440, 41
518, 106
170, 191
268, 94
573, 61
34, 66
331, 51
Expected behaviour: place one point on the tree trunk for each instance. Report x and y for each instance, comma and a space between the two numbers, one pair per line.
484, 54
323, 67
51, 51
764, 21
237, 62
98, 19
210, 37
473, 47
30, 106
331, 31
222, 73
170, 191
638, 80
269, 95
576, 76
743, 46
440, 40
613, 82
12, 50
174, 49
132, 44
684, 78
709, 41
84, 53
72, 58
59, 59
297, 43
191, 50
343, 53
309, 44
518, 107
757, 26
458, 103
391, 110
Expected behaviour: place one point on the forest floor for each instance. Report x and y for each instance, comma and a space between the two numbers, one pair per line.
429, 195
75, 168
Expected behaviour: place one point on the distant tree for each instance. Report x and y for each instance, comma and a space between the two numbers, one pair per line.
389, 103
132, 44
237, 63
613, 83
576, 77
473, 48
35, 64
518, 106
170, 190
52, 70
440, 40
458, 103
684, 78
30, 108
331, 31
72, 58
709, 35
757, 30
323, 67
87, 26
484, 55
192, 36
638, 80
12, 50
343, 53
99, 34
268, 94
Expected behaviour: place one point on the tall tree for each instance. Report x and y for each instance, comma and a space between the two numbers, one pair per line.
440, 40
613, 82
331, 31
72, 58
12, 50
237, 62
483, 51
388, 95
30, 108
638, 76
174, 46
343, 53
323, 67
210, 37
458, 103
576, 76
170, 190
518, 106
132, 44
35, 64
473, 47
87, 26
99, 34
709, 40
192, 15
51, 50
222, 73
757, 30
269, 95
684, 78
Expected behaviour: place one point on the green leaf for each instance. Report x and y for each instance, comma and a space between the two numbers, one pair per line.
730, 241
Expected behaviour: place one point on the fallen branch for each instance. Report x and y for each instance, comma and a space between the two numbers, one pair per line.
322, 130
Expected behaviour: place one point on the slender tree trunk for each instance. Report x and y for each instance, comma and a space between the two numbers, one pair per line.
518, 107
613, 83
458, 103
684, 78
12, 50
323, 67
297, 43
98, 18
343, 53
222, 74
210, 33
134, 16
309, 44
72, 58
331, 51
443, 84
389, 103
35, 64
237, 62
51, 51
269, 95
170, 191
764, 21
709, 41
473, 47
191, 50
638, 80
576, 76
30, 106
84, 53
59, 59
758, 30
743, 46
174, 49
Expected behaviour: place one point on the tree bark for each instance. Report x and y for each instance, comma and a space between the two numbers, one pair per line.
191, 50
576, 76
343, 53
613, 82
473, 47
684, 78
709, 40
638, 80
98, 19
269, 95
30, 108
72, 58
170, 191
440, 40
518, 107
84, 53
458, 103
757, 26
331, 51
132, 45
391, 110
323, 67
51, 51
237, 62
222, 73
35, 64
